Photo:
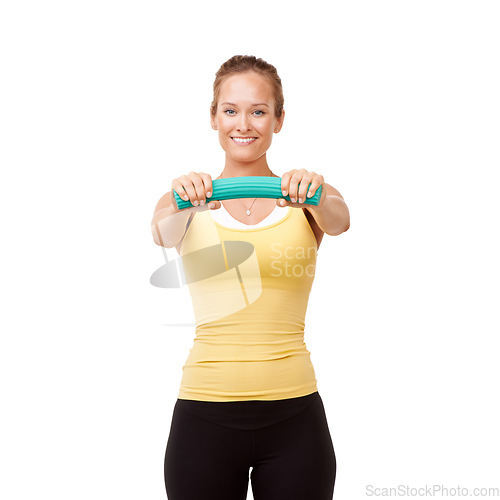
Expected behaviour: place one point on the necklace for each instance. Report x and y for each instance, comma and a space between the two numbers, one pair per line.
248, 209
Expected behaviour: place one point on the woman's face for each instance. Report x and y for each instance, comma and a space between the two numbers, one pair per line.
245, 109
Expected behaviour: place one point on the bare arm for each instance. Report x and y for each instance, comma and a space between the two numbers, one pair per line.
168, 224
332, 214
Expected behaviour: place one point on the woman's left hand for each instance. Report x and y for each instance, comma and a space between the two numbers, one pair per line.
299, 194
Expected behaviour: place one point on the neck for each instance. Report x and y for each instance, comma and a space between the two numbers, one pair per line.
234, 168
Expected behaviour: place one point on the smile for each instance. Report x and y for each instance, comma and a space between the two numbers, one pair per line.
246, 140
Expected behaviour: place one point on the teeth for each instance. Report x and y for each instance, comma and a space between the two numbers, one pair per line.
250, 139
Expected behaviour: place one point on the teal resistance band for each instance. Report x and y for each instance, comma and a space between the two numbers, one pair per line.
252, 186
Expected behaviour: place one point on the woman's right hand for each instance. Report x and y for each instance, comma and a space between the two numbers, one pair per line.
195, 187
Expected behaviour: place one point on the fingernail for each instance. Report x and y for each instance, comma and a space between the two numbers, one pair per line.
282, 202
202, 202
211, 205
309, 194
284, 193
293, 200
300, 200
195, 203
209, 194
186, 197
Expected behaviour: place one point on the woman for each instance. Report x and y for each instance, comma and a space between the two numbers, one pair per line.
248, 398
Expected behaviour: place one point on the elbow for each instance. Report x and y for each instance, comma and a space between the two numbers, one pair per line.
338, 231
341, 228
347, 221
154, 234
158, 240
161, 241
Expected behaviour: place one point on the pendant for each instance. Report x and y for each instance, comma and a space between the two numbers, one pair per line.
248, 212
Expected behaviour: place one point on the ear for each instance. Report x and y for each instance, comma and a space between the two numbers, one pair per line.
213, 124
279, 123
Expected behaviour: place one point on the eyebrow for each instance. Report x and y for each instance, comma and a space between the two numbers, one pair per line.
258, 104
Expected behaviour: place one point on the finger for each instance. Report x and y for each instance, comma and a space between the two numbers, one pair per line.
199, 189
293, 186
214, 205
179, 189
187, 185
282, 202
315, 184
303, 187
207, 185
285, 181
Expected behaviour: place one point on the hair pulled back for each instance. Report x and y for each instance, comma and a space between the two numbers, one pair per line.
243, 64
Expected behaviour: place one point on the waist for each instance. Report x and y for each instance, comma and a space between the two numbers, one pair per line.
285, 375
231, 349
247, 415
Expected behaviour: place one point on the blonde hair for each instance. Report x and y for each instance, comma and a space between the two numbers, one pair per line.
244, 64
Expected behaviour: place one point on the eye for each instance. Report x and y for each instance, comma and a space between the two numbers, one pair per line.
260, 111
228, 110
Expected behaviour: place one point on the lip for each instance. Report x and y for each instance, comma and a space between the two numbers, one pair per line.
243, 143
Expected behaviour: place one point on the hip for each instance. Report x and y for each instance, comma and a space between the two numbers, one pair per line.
247, 415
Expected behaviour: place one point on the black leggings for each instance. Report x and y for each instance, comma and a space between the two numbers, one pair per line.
287, 443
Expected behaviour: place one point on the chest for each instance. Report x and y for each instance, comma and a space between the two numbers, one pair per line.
238, 210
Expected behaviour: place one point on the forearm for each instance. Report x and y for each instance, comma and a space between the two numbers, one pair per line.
332, 214
168, 225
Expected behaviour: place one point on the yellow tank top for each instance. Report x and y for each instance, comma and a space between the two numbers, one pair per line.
249, 289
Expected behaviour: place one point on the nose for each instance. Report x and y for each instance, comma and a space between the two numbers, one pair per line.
244, 123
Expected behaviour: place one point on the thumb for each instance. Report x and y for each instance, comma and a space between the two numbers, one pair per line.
281, 202
214, 205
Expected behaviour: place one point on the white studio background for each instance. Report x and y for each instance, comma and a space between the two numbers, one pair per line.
103, 103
